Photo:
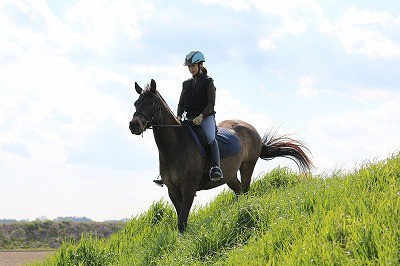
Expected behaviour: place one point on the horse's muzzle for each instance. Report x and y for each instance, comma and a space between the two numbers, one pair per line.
136, 126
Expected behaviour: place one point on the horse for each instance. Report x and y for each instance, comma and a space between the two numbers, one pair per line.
182, 166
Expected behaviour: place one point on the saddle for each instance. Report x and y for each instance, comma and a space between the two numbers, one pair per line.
228, 142
228, 145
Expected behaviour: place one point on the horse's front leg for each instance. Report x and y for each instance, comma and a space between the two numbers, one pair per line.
176, 198
187, 201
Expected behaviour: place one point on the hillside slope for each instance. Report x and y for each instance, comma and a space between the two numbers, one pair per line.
346, 219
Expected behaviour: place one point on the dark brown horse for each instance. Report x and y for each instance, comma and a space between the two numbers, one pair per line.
181, 164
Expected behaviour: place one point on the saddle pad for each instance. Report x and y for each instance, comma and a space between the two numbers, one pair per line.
228, 142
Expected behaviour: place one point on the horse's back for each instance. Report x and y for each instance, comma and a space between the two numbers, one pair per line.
248, 136
240, 127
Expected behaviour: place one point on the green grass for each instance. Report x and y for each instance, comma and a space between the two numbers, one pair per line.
285, 219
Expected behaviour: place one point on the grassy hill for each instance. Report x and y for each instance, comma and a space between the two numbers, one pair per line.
344, 219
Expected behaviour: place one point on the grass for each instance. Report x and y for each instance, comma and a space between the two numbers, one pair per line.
285, 219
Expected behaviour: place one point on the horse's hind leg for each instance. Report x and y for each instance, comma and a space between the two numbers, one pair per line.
235, 184
246, 170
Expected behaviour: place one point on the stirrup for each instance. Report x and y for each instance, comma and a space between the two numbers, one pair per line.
216, 174
159, 182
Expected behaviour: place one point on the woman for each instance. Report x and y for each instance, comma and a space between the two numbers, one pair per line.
197, 100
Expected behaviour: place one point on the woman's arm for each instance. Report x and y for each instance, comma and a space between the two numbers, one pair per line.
180, 105
210, 99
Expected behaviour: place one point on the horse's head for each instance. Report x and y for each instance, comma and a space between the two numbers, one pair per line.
147, 108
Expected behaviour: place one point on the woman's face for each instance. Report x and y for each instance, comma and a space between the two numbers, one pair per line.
193, 69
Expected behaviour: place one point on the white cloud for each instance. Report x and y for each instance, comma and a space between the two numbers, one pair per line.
93, 26
378, 95
98, 22
369, 33
238, 5
307, 86
229, 107
359, 135
291, 23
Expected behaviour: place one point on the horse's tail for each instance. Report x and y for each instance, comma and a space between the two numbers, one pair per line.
284, 146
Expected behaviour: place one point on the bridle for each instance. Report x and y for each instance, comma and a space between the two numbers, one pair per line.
148, 121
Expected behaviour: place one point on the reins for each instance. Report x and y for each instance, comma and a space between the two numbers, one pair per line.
155, 126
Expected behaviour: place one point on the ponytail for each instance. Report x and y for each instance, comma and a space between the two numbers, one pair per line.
203, 70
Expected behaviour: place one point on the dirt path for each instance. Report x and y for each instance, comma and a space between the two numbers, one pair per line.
11, 258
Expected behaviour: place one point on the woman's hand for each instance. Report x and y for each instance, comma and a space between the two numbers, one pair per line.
197, 120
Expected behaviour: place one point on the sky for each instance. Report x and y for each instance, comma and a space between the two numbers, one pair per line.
326, 71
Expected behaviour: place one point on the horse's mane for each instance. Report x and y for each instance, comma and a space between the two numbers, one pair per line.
147, 89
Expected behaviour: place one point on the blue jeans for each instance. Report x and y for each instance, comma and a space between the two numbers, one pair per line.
209, 127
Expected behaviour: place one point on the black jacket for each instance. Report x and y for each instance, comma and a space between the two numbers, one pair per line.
197, 97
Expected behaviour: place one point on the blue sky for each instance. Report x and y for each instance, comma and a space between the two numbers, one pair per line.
327, 71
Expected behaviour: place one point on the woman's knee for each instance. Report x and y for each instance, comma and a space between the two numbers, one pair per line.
208, 126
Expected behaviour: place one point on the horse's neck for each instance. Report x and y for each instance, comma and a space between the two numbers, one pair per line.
167, 138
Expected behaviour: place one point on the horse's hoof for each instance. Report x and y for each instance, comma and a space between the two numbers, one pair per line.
182, 226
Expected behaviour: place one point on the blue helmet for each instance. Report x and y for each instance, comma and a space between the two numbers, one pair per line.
194, 57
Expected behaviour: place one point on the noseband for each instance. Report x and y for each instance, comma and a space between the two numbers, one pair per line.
146, 120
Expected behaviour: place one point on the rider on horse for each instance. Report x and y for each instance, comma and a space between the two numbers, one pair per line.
198, 100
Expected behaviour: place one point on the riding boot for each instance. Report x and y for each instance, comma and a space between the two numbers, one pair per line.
215, 171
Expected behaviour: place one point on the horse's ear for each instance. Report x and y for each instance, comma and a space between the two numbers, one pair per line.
138, 88
153, 86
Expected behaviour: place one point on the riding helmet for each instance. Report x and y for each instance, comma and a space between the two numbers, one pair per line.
194, 57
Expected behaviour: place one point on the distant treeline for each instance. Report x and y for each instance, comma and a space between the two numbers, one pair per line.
46, 234
58, 219
8, 221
